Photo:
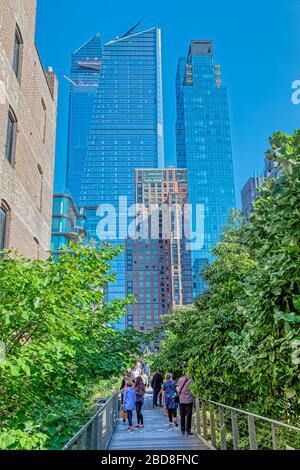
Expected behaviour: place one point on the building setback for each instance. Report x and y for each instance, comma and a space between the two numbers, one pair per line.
204, 146
28, 100
158, 266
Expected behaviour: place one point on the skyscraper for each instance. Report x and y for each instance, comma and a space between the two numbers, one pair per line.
126, 131
85, 70
158, 266
249, 193
204, 146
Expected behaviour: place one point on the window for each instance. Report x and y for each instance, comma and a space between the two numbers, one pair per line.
2, 227
10, 136
17, 56
4, 224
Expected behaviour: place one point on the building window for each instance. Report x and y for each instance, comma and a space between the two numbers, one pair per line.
2, 228
4, 224
10, 136
17, 56
40, 188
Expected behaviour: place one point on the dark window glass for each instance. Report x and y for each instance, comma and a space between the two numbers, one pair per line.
11, 123
2, 227
17, 54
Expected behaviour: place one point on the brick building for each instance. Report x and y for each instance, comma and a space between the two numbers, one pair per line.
28, 101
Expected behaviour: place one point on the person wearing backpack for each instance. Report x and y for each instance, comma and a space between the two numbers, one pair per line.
186, 402
169, 391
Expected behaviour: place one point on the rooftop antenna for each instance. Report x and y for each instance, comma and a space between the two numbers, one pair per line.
132, 29
69, 79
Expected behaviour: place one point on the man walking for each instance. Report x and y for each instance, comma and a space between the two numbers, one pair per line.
186, 400
156, 385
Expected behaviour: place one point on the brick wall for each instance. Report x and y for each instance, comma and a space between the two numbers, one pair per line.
26, 185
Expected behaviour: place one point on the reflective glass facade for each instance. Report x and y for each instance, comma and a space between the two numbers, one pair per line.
85, 69
126, 131
204, 145
67, 224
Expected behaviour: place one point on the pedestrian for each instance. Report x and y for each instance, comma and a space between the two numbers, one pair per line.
186, 401
122, 388
145, 367
145, 379
162, 395
169, 389
140, 393
129, 403
156, 385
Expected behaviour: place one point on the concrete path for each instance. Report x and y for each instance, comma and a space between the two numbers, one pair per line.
156, 434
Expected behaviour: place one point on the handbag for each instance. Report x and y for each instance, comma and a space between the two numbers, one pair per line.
177, 396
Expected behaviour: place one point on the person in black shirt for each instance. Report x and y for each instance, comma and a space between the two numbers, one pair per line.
156, 385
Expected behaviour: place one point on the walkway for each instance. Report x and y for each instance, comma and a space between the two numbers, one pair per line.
155, 435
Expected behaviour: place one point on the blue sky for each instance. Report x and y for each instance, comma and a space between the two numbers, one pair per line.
257, 44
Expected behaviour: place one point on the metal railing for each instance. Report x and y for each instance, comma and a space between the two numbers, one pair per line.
97, 433
227, 428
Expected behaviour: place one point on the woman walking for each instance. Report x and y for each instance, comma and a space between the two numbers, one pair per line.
186, 400
169, 388
145, 379
140, 392
129, 403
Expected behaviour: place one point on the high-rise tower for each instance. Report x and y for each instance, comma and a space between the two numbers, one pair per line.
204, 146
126, 131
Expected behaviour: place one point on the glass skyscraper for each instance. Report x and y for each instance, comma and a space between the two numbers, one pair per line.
204, 146
85, 69
126, 132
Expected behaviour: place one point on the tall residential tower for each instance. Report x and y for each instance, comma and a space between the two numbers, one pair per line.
204, 146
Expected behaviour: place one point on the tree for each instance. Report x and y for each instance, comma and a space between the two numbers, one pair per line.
241, 339
59, 342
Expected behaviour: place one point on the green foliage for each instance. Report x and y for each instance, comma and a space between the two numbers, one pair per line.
59, 344
241, 339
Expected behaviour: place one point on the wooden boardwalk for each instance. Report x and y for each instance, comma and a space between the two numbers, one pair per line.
156, 434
